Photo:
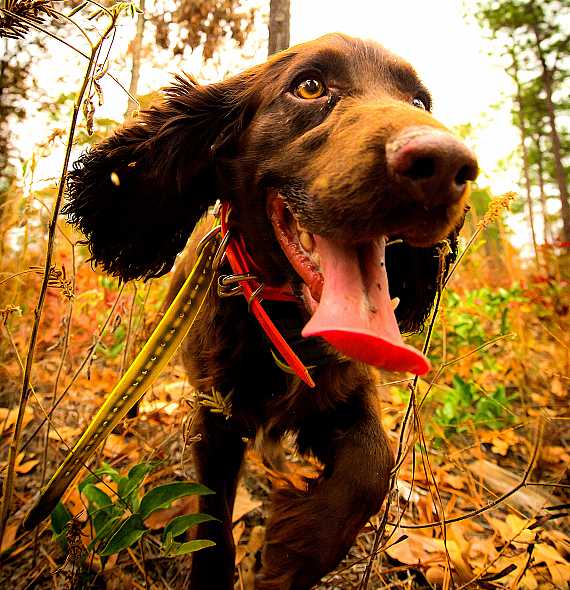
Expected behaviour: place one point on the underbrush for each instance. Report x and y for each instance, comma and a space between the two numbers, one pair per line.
481, 487
486, 427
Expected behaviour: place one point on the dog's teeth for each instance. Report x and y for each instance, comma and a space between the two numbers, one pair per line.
395, 302
306, 240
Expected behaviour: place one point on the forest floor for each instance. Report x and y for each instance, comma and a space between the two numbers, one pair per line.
489, 432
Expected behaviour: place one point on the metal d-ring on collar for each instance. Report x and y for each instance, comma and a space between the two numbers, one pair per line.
230, 285
243, 282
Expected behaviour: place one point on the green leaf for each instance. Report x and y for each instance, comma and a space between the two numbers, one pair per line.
59, 519
108, 529
181, 524
100, 520
135, 478
188, 547
98, 474
100, 507
96, 499
162, 496
130, 531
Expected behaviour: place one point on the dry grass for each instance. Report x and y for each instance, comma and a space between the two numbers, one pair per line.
481, 491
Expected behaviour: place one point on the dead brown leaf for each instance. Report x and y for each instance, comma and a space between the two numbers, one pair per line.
244, 503
8, 418
160, 518
10, 534
500, 481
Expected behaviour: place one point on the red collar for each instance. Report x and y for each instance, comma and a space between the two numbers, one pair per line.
255, 292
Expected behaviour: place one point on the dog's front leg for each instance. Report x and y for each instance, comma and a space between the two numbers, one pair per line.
310, 532
217, 457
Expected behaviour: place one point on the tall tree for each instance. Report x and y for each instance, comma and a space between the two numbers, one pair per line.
537, 29
548, 37
14, 86
539, 156
136, 51
514, 72
279, 25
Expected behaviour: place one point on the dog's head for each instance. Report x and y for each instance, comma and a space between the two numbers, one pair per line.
325, 152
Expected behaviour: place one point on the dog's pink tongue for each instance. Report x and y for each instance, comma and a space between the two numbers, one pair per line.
355, 314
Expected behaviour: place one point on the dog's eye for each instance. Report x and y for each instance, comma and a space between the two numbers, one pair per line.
310, 89
419, 103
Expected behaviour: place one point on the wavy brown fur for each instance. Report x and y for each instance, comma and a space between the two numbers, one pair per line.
138, 196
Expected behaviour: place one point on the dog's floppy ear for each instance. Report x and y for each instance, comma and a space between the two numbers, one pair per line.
138, 194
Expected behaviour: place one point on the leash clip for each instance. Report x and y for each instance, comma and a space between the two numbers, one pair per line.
220, 255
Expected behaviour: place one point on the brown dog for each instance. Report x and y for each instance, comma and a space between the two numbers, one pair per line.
324, 153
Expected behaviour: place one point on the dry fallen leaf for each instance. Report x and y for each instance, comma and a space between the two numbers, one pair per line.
558, 388
22, 467
559, 539
455, 481
528, 581
117, 444
151, 406
502, 442
66, 433
10, 534
8, 418
560, 573
237, 531
509, 531
553, 454
548, 554
244, 503
481, 551
501, 480
160, 518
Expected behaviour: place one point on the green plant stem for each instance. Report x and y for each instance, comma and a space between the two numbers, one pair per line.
54, 392
9, 480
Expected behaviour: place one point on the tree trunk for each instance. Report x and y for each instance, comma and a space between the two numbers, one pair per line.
546, 75
136, 48
547, 231
279, 19
522, 129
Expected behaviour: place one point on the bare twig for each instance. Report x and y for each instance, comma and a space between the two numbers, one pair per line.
403, 444
84, 362
524, 482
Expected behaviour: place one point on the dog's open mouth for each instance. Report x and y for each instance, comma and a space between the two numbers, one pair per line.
346, 291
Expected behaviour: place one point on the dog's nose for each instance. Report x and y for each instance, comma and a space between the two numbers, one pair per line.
432, 163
